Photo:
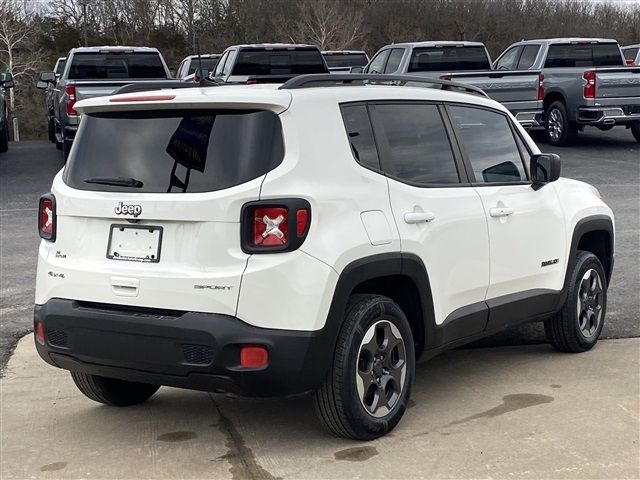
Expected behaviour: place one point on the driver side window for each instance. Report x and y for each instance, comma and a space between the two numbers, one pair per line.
220, 65
509, 60
377, 64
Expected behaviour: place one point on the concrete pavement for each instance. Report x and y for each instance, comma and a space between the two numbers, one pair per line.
523, 412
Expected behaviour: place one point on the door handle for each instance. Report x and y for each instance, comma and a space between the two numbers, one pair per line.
418, 217
501, 211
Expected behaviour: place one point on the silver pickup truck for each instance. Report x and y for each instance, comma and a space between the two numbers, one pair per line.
586, 82
465, 62
95, 72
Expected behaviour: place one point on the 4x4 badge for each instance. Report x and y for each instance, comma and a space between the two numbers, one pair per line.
124, 209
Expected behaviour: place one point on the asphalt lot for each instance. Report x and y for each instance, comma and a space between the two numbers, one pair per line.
608, 160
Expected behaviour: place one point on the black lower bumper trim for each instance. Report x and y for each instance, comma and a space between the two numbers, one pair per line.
199, 351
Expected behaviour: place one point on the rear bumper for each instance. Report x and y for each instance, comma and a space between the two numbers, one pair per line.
530, 119
199, 351
600, 116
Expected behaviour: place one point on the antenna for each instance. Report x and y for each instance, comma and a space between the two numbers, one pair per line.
201, 74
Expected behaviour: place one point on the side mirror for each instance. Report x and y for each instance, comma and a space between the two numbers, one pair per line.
356, 69
544, 168
48, 77
42, 85
6, 79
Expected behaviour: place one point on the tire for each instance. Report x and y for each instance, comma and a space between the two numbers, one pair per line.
111, 391
578, 324
560, 131
51, 127
4, 140
66, 148
635, 131
348, 406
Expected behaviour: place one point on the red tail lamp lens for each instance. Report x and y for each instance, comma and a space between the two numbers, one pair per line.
39, 333
47, 218
541, 86
253, 356
270, 226
589, 89
70, 91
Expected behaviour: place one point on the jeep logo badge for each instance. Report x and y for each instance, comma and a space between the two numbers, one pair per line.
123, 209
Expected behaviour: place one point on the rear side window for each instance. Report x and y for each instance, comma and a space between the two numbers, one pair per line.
489, 144
583, 55
173, 151
360, 133
415, 146
449, 59
337, 60
528, 56
98, 66
279, 62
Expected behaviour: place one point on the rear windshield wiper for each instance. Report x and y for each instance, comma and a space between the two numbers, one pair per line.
116, 181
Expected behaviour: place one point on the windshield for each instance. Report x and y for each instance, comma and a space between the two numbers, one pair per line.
336, 60
449, 59
99, 66
279, 62
173, 150
208, 64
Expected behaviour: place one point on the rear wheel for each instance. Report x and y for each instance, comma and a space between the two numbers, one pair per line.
560, 131
365, 394
577, 326
66, 148
51, 127
111, 391
4, 140
635, 130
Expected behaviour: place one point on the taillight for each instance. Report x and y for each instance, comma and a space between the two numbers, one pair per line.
445, 77
275, 225
540, 86
47, 217
628, 61
39, 331
70, 92
589, 85
251, 82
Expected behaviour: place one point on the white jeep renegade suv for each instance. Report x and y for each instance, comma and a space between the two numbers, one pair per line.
317, 236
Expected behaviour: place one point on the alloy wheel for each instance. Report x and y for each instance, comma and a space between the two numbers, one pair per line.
555, 124
590, 303
381, 368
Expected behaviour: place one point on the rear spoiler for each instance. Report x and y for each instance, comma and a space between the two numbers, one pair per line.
154, 85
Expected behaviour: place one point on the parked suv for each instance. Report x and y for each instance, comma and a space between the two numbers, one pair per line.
267, 63
319, 236
586, 83
6, 82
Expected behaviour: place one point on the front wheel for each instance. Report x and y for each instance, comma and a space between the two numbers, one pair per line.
365, 394
577, 326
560, 131
111, 391
635, 130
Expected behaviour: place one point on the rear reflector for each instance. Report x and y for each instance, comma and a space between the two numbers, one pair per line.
252, 356
39, 331
302, 221
141, 98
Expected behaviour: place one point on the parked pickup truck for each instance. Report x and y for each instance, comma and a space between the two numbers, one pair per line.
57, 69
465, 62
95, 72
267, 63
585, 83
188, 68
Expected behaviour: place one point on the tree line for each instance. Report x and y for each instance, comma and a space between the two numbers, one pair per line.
33, 33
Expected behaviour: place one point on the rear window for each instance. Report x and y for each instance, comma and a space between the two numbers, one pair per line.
583, 55
279, 62
450, 59
100, 66
208, 65
173, 151
337, 60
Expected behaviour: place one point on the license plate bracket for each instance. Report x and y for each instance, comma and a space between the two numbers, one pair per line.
135, 243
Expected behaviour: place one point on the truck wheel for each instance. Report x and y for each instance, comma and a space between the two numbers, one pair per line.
4, 140
559, 129
51, 130
577, 326
111, 391
66, 148
368, 385
635, 130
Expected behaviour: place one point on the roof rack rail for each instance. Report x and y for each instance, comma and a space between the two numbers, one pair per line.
347, 79
153, 85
